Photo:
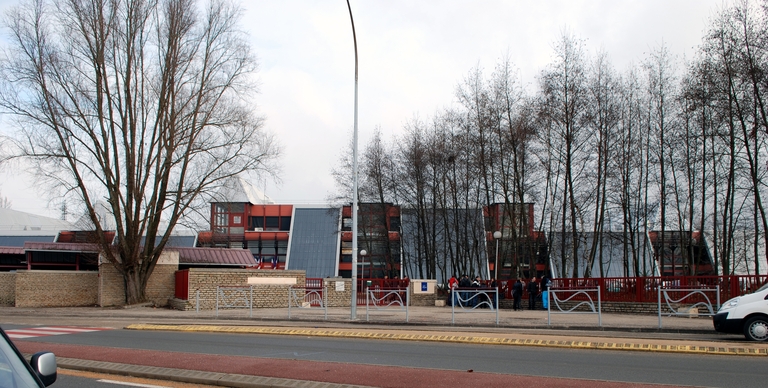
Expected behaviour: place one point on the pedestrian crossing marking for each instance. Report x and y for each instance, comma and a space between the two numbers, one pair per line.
33, 332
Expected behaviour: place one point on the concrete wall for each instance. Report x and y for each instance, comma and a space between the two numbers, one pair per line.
236, 283
56, 288
7, 288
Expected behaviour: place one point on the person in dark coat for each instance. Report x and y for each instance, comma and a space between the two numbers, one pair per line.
517, 294
464, 282
533, 292
494, 296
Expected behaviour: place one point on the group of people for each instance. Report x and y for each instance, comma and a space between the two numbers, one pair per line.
534, 288
464, 298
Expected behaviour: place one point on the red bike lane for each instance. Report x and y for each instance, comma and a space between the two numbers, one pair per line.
329, 372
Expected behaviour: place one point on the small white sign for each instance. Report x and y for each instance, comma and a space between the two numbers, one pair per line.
272, 281
340, 286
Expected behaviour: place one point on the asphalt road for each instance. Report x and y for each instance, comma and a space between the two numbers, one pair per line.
623, 366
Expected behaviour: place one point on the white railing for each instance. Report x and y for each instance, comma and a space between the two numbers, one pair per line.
306, 298
470, 300
554, 298
234, 297
689, 292
387, 299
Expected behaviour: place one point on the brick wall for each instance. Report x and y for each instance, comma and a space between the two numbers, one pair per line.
160, 286
56, 288
204, 282
7, 288
423, 299
111, 286
338, 298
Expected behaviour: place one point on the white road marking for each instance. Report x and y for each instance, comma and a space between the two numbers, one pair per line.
130, 384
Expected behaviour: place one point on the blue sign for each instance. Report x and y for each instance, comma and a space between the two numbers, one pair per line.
424, 286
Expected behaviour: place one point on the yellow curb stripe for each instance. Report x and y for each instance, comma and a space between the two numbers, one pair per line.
457, 339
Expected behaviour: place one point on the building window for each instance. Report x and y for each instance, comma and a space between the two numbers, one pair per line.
285, 223
256, 223
272, 223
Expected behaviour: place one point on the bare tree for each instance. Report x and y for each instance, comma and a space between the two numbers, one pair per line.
142, 105
564, 99
603, 116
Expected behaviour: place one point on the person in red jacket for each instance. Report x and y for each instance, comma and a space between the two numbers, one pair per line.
452, 284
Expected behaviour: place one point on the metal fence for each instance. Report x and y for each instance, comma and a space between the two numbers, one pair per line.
645, 289
307, 297
234, 297
700, 297
472, 299
575, 303
387, 299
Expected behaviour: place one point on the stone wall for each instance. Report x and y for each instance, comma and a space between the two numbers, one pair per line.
341, 297
56, 288
160, 286
235, 286
7, 288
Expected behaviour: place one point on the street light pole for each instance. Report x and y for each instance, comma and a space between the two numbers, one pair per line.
497, 237
353, 309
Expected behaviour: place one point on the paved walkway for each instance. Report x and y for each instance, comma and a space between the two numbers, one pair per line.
514, 328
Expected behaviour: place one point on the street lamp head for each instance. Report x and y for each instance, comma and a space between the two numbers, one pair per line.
497, 235
363, 252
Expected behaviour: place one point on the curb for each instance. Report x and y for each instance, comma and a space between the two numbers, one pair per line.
191, 376
689, 349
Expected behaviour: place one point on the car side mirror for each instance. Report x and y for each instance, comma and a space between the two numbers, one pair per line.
44, 364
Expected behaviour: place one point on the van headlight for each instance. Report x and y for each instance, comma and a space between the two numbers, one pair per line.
731, 303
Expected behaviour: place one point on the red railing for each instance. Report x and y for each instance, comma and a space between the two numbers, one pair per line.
314, 283
645, 289
382, 284
182, 284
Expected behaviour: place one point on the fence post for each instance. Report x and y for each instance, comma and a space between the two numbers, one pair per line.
658, 292
599, 308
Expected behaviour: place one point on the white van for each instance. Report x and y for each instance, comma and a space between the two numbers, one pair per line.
747, 314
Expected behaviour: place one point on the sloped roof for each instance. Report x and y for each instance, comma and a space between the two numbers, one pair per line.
61, 247
216, 256
15, 222
11, 251
315, 241
236, 189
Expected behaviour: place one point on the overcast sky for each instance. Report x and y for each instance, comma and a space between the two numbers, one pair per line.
412, 56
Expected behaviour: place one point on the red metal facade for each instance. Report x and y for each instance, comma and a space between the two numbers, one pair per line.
262, 229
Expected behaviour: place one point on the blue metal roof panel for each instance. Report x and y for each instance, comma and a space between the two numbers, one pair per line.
180, 241
18, 241
314, 240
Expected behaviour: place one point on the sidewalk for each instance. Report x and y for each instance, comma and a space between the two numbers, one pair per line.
515, 328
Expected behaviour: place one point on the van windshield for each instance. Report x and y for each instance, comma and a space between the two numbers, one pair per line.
763, 287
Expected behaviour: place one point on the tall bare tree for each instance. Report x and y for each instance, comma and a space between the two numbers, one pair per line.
564, 102
143, 105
